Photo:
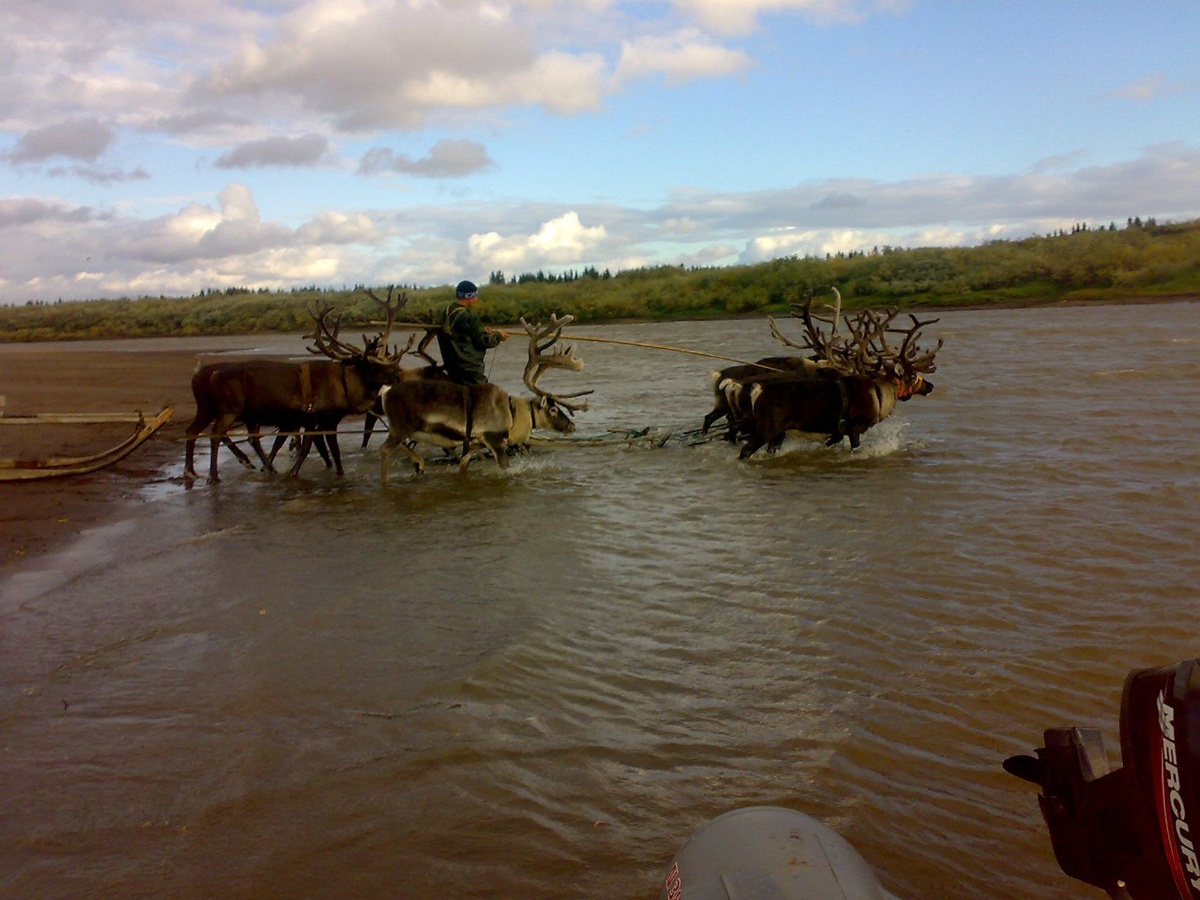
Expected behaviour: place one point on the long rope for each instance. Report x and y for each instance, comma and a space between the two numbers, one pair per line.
599, 340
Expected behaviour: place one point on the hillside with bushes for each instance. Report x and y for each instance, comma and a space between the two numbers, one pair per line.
1086, 264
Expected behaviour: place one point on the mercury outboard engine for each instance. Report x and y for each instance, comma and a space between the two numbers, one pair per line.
1132, 831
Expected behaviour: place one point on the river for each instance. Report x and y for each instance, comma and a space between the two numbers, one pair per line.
539, 682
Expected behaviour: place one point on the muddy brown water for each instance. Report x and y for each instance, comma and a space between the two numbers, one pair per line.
539, 683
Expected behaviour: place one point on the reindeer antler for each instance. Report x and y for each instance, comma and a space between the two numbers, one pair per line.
835, 349
863, 348
325, 334
907, 357
541, 339
391, 308
327, 326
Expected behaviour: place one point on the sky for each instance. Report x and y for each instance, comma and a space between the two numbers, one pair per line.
151, 148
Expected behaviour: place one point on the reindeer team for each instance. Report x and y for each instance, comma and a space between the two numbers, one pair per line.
846, 382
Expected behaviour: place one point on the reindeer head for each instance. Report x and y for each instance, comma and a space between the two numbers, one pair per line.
549, 413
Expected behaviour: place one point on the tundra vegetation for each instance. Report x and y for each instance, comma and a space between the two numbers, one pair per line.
1088, 263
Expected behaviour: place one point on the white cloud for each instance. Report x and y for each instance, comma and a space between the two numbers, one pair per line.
561, 241
741, 16
53, 248
338, 228
684, 56
370, 67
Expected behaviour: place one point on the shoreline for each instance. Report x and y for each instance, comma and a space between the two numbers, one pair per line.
713, 316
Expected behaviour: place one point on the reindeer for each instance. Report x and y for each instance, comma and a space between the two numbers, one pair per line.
467, 416
729, 383
210, 380
837, 407
312, 395
857, 380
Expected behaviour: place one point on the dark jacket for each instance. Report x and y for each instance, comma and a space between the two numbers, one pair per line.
463, 341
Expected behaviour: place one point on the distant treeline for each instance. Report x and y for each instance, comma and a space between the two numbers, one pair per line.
1139, 259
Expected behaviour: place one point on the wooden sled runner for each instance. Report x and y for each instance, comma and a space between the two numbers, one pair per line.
61, 467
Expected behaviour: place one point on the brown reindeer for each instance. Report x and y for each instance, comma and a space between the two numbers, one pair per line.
831, 407
468, 416
729, 383
208, 383
853, 379
314, 395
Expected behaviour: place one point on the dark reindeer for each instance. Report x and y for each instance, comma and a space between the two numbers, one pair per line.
834, 407
729, 383
211, 379
313, 396
468, 416
852, 380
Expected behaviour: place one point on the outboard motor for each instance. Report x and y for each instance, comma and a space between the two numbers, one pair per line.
1133, 831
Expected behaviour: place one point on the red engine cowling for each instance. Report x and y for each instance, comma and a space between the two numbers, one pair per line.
1133, 831
1160, 744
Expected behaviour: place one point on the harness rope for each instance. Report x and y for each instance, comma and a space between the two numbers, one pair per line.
422, 326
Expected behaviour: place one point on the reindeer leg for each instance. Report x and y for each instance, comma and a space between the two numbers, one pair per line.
323, 448
368, 427
220, 433
328, 447
276, 446
301, 454
385, 453
203, 420
212, 460
417, 459
751, 446
497, 442
711, 419
189, 459
385, 458
258, 449
237, 451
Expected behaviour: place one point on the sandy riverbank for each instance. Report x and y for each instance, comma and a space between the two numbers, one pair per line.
41, 515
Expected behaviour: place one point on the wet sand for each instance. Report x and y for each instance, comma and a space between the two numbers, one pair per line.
42, 515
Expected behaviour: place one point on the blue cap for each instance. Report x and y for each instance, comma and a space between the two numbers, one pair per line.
466, 290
